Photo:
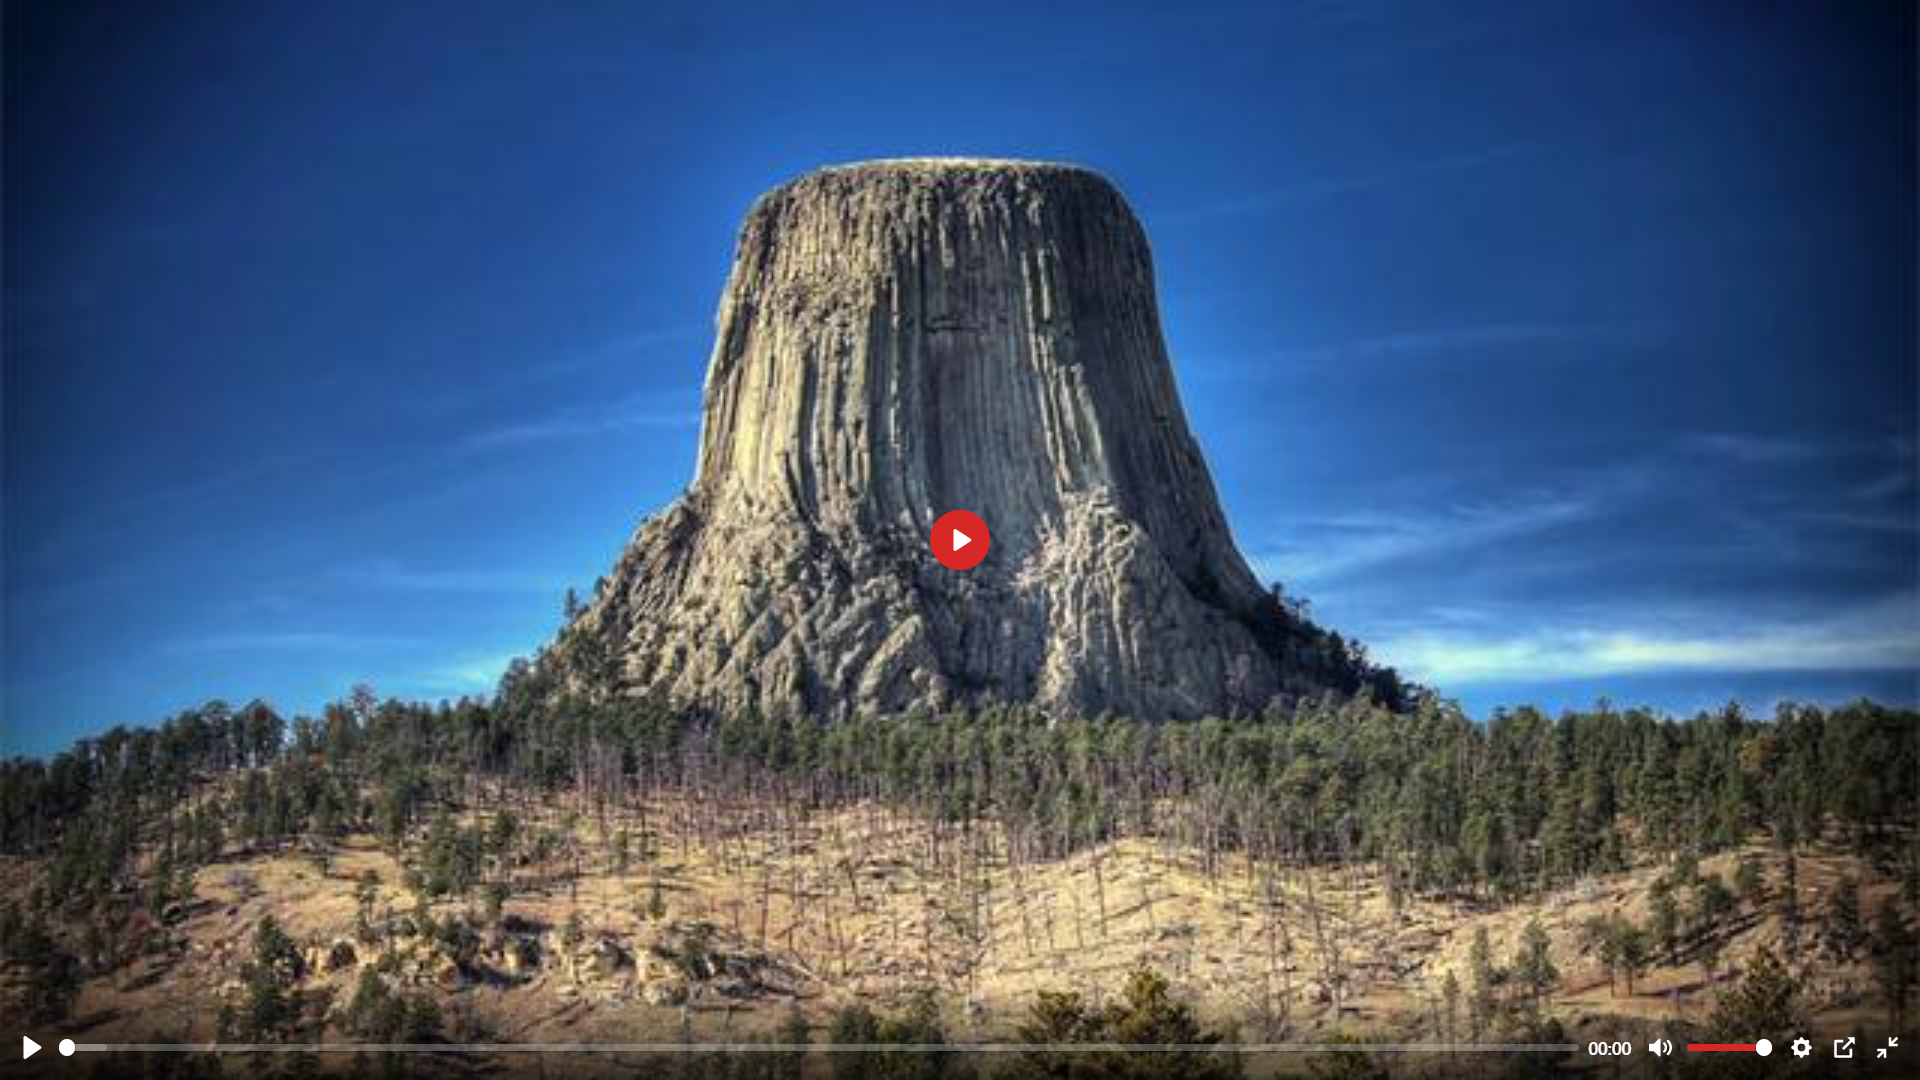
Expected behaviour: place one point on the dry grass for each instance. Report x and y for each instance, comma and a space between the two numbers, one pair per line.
854, 906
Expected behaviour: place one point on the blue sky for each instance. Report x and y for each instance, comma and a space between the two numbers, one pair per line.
1555, 350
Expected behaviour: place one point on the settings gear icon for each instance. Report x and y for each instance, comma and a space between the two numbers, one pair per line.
1801, 1048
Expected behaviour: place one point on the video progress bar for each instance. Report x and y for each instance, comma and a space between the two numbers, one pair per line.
829, 1048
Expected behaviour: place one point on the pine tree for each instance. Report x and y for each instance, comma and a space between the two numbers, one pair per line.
1766, 999
854, 1025
1686, 868
1706, 952
1712, 902
1146, 1013
450, 860
1750, 883
1346, 1059
53, 974
1631, 950
1896, 960
493, 901
1597, 940
375, 1012
1482, 1001
1790, 915
1842, 931
1533, 966
365, 892
793, 1031
1664, 920
500, 835
270, 1007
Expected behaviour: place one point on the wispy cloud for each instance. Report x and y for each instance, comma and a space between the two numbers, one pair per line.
1455, 340
107, 511
587, 421
1538, 340
331, 641
643, 341
1334, 547
627, 345
1844, 483
1308, 188
1894, 521
389, 574
472, 674
1887, 485
1877, 637
1890, 462
1747, 449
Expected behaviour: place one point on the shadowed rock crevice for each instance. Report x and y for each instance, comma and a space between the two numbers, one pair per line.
900, 339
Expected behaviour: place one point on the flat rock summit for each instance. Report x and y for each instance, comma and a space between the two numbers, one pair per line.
899, 339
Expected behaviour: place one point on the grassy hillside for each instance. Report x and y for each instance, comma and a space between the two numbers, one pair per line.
526, 870
665, 921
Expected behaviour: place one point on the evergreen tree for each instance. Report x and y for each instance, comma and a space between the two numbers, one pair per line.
1749, 883
270, 1005
52, 981
378, 1013
1539, 1066
365, 891
1450, 996
1631, 950
375, 1012
1533, 967
1712, 902
1345, 1059
1707, 952
1842, 932
1896, 961
493, 901
1146, 1013
791, 1065
1765, 1002
1664, 920
1790, 902
1482, 1000
853, 1025
450, 859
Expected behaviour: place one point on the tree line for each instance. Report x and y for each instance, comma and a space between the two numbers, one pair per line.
1499, 809
1434, 802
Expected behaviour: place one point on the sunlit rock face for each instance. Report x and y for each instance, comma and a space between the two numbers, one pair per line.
903, 338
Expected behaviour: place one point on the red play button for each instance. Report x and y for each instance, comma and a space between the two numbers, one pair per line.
959, 540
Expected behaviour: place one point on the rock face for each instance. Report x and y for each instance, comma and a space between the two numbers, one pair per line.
899, 339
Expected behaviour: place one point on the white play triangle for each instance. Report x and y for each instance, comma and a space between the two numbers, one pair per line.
27, 1046
960, 539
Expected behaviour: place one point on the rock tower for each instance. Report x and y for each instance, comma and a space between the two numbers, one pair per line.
899, 339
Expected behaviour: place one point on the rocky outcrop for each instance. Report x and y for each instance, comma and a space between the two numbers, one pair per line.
900, 339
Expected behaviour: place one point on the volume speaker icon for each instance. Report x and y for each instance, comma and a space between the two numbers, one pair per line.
1660, 1047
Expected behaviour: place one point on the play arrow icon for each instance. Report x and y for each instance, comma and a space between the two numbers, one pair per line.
959, 540
28, 1047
